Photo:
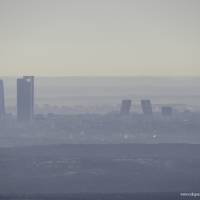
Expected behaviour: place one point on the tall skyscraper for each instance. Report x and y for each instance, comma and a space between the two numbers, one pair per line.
2, 100
125, 107
147, 107
25, 98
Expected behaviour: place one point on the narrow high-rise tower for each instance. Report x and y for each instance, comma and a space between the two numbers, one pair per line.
2, 99
125, 107
146, 107
25, 98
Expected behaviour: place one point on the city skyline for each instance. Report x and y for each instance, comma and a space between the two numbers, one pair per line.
26, 101
99, 38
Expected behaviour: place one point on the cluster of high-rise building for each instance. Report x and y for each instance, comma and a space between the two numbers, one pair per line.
25, 98
25, 101
146, 106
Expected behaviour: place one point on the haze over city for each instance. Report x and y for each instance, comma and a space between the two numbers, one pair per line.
99, 99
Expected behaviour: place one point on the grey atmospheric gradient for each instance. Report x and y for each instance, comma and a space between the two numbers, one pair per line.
93, 37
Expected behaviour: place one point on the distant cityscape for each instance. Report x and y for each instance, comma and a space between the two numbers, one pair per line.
28, 127
25, 102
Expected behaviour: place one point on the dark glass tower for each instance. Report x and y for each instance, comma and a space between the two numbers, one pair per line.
2, 100
125, 107
25, 98
146, 107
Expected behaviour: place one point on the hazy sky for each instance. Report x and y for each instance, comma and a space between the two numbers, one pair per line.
100, 37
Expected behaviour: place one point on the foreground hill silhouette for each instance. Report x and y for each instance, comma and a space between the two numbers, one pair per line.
100, 169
